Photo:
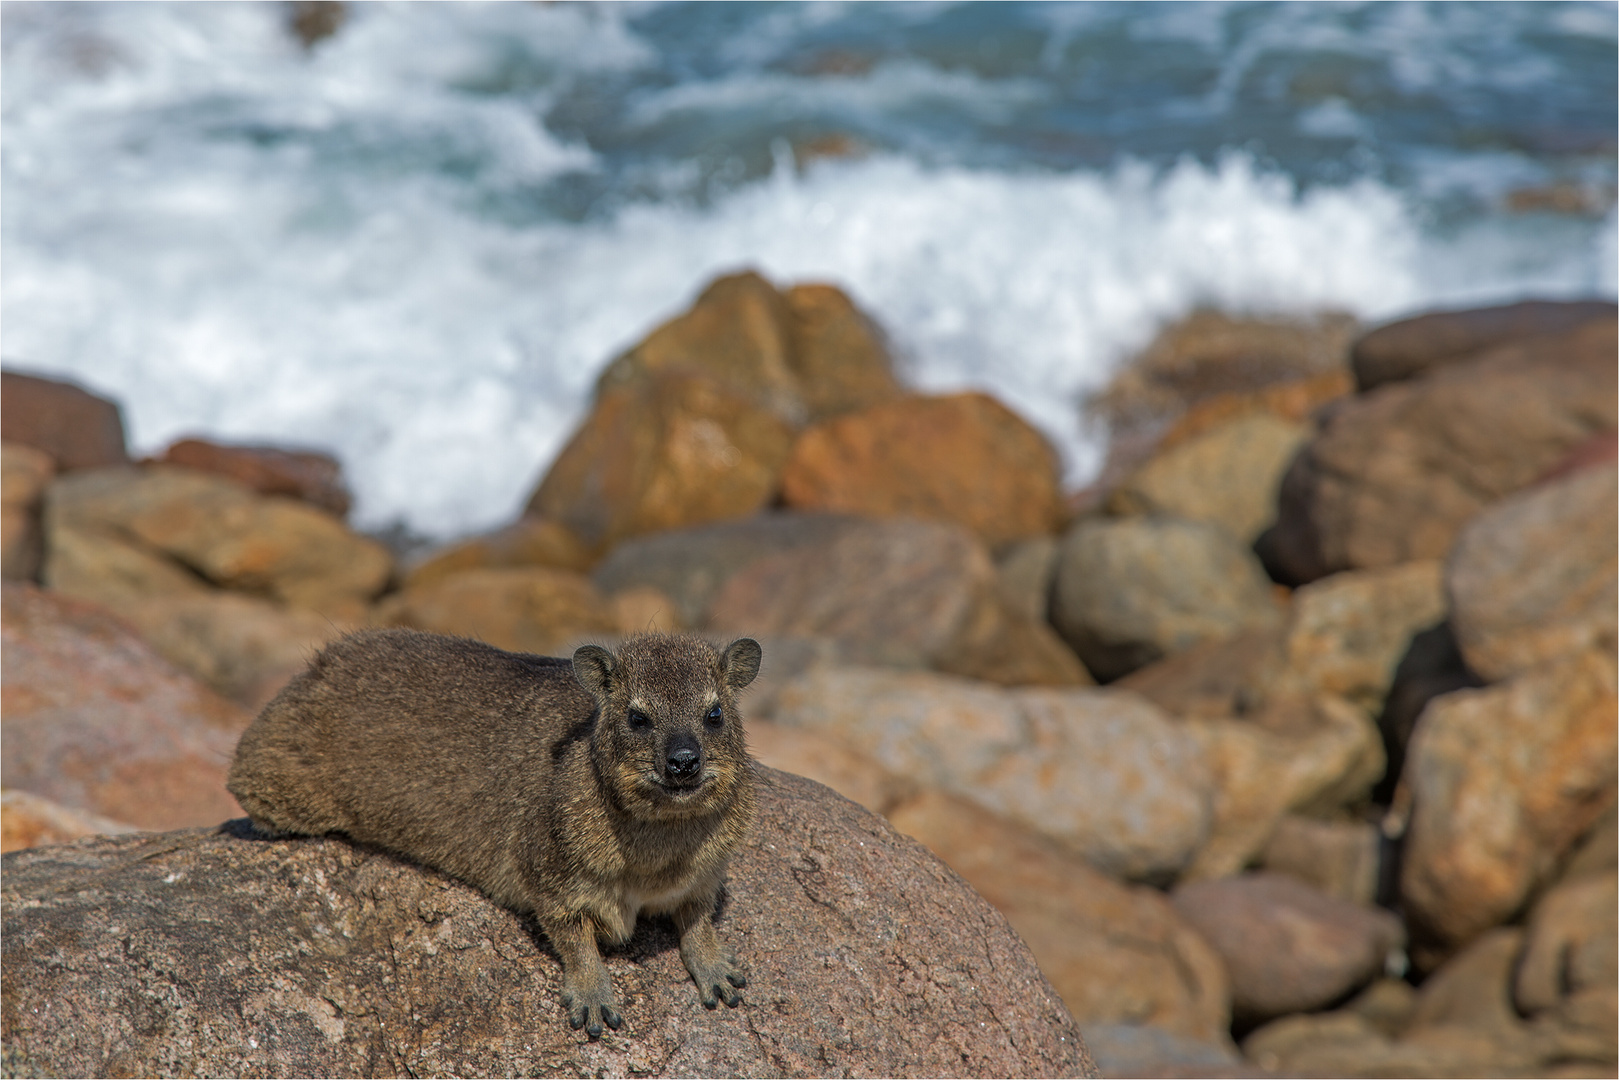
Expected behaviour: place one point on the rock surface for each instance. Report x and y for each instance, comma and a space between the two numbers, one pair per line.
1502, 782
1395, 473
963, 458
1130, 591
1288, 947
94, 719
78, 429
28, 820
233, 956
24, 473
306, 475
1340, 858
1534, 576
528, 541
531, 609
1103, 773
1566, 978
838, 353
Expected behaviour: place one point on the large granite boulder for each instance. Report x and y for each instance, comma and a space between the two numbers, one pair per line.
1395, 473
229, 955
94, 719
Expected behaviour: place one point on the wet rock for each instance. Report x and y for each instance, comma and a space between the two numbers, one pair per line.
534, 609
663, 451
78, 429
1102, 773
962, 458
1533, 577
306, 475
28, 820
1134, 590
96, 720
1228, 476
1395, 473
1118, 954
206, 528
528, 541
26, 471
865, 955
1340, 858
1408, 348
1502, 782
838, 353
900, 593
691, 564
1288, 947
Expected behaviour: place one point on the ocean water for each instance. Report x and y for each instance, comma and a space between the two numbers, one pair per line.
417, 242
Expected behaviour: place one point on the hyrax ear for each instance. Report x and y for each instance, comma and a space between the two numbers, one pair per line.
594, 667
740, 662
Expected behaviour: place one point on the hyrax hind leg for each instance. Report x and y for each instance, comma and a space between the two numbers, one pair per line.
712, 966
587, 988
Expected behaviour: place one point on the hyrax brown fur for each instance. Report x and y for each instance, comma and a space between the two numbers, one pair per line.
585, 793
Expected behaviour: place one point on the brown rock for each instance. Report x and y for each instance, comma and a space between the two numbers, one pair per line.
1502, 782
642, 609
865, 956
902, 593
1572, 944
692, 564
1474, 988
26, 471
1395, 473
1024, 572
75, 427
96, 720
1102, 773
1534, 576
528, 541
1294, 401
534, 609
663, 451
306, 475
28, 820
1408, 348
1145, 1050
1131, 591
1343, 1043
963, 458
838, 353
1340, 858
1116, 953
827, 761
1219, 677
1228, 476
209, 527
736, 336
1287, 947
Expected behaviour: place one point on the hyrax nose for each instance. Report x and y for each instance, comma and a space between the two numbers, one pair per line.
684, 759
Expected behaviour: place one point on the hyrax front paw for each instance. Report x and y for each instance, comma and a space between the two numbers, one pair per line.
591, 1008
718, 979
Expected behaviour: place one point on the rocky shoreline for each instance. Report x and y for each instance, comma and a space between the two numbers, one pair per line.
1289, 748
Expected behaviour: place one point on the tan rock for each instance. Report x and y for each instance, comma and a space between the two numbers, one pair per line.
1534, 576
1395, 473
28, 820
1347, 633
528, 541
1103, 773
736, 336
1293, 401
1288, 948
1572, 944
827, 761
534, 609
1343, 1043
660, 452
963, 458
24, 472
78, 429
1024, 571
642, 609
1340, 858
1133, 590
1502, 782
1474, 988
1216, 678
1329, 759
306, 475
1116, 953
213, 527
838, 352
1229, 476
96, 720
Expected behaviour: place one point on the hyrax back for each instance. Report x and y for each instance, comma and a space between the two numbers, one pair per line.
584, 792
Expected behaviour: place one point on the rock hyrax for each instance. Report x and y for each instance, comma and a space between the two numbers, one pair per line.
584, 793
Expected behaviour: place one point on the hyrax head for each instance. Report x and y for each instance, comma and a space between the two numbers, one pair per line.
668, 735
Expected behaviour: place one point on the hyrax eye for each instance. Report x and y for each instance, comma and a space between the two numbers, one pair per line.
715, 717
639, 720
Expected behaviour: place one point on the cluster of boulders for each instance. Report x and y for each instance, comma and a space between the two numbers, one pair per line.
1298, 730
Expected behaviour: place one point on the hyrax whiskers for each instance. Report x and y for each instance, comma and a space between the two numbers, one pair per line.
585, 793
